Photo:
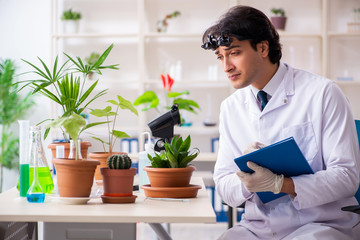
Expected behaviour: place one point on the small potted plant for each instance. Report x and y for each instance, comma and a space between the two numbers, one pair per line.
279, 18
170, 171
112, 133
74, 176
91, 60
175, 159
118, 179
71, 20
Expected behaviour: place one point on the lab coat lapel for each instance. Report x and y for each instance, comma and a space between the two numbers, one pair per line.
251, 102
282, 94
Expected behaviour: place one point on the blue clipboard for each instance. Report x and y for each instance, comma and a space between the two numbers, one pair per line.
282, 157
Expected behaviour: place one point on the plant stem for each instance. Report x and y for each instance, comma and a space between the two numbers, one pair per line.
110, 135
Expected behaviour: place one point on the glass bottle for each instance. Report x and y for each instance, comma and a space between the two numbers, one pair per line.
72, 153
35, 193
37, 155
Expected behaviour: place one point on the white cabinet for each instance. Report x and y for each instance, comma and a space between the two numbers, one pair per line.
143, 54
315, 39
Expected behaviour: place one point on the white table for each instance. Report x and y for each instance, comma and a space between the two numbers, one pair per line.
195, 210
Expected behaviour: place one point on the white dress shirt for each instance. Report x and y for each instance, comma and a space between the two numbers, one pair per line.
314, 111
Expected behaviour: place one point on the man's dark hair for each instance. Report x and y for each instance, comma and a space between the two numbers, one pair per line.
251, 24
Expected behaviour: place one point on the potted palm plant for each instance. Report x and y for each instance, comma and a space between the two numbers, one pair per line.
279, 18
170, 171
112, 134
118, 179
63, 86
66, 88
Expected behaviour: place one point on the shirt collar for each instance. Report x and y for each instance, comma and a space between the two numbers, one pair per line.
274, 82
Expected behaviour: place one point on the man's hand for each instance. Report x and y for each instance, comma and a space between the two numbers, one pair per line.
261, 180
253, 147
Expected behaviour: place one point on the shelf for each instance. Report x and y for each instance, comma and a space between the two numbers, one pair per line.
299, 35
192, 84
197, 130
344, 34
172, 35
96, 35
348, 83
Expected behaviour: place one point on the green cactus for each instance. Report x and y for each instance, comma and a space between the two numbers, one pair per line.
119, 161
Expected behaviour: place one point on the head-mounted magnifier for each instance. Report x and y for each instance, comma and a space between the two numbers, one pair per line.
223, 39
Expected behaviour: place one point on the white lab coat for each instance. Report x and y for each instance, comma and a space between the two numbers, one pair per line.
314, 111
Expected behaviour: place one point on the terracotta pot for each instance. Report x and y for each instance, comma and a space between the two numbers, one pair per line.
169, 177
84, 148
102, 158
279, 22
118, 182
75, 177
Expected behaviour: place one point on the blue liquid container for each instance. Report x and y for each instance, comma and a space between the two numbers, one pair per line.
35, 197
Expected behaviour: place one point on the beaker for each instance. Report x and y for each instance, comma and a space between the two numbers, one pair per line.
35, 193
37, 154
23, 157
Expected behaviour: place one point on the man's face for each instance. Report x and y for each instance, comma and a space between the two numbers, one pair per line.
242, 64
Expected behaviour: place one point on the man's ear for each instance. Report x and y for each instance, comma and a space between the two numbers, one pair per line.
263, 48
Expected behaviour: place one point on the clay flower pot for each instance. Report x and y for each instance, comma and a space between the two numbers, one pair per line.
75, 177
118, 182
102, 158
84, 148
169, 177
279, 22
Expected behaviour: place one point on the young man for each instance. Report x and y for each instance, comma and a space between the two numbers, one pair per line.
274, 101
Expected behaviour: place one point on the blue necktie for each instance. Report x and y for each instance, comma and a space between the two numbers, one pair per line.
263, 99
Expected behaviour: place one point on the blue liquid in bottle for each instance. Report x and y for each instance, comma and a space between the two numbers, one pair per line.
36, 197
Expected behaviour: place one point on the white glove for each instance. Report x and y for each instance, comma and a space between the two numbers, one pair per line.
261, 180
253, 147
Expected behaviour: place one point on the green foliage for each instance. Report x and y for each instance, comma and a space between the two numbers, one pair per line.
12, 107
176, 154
91, 60
62, 85
71, 15
151, 100
120, 103
119, 161
72, 125
278, 11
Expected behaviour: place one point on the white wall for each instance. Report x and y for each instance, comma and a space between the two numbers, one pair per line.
25, 33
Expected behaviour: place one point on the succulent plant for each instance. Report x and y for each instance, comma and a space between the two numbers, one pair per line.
176, 154
119, 161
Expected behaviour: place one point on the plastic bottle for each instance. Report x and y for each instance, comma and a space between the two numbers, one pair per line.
145, 161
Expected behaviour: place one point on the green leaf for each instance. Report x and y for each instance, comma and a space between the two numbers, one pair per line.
126, 104
72, 125
90, 125
149, 98
185, 145
120, 134
177, 94
101, 112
